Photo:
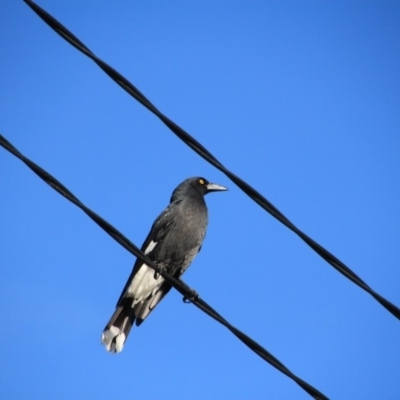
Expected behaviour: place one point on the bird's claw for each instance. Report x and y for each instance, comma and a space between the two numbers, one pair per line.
157, 274
191, 298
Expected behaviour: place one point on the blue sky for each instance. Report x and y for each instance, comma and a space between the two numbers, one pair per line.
300, 99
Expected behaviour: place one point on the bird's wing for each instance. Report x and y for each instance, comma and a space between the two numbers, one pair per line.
161, 226
148, 305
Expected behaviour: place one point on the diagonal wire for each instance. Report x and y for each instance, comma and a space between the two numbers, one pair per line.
179, 285
203, 152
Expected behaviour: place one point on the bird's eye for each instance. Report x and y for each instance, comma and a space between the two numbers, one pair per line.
201, 181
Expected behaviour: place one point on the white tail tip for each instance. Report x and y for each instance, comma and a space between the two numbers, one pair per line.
113, 339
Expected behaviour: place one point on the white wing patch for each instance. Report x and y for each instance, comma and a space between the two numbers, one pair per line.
150, 247
143, 284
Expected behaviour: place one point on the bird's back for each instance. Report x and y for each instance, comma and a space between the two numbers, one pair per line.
183, 240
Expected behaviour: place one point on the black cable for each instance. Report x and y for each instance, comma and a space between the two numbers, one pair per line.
179, 285
203, 152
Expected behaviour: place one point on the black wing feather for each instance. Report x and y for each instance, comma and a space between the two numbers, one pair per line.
161, 226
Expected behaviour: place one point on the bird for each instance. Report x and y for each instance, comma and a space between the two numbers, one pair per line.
175, 238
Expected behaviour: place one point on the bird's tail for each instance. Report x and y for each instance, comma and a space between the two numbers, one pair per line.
117, 330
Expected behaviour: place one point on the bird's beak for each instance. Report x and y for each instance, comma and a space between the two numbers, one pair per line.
213, 187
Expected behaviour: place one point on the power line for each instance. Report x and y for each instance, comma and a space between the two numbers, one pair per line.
178, 284
203, 152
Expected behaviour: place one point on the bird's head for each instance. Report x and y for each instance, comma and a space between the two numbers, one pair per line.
203, 186
200, 185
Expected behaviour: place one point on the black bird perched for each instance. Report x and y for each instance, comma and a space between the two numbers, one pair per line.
174, 240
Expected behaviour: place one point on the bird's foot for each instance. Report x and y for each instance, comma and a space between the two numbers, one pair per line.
191, 298
157, 274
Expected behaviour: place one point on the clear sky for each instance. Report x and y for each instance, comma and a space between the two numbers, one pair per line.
299, 98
